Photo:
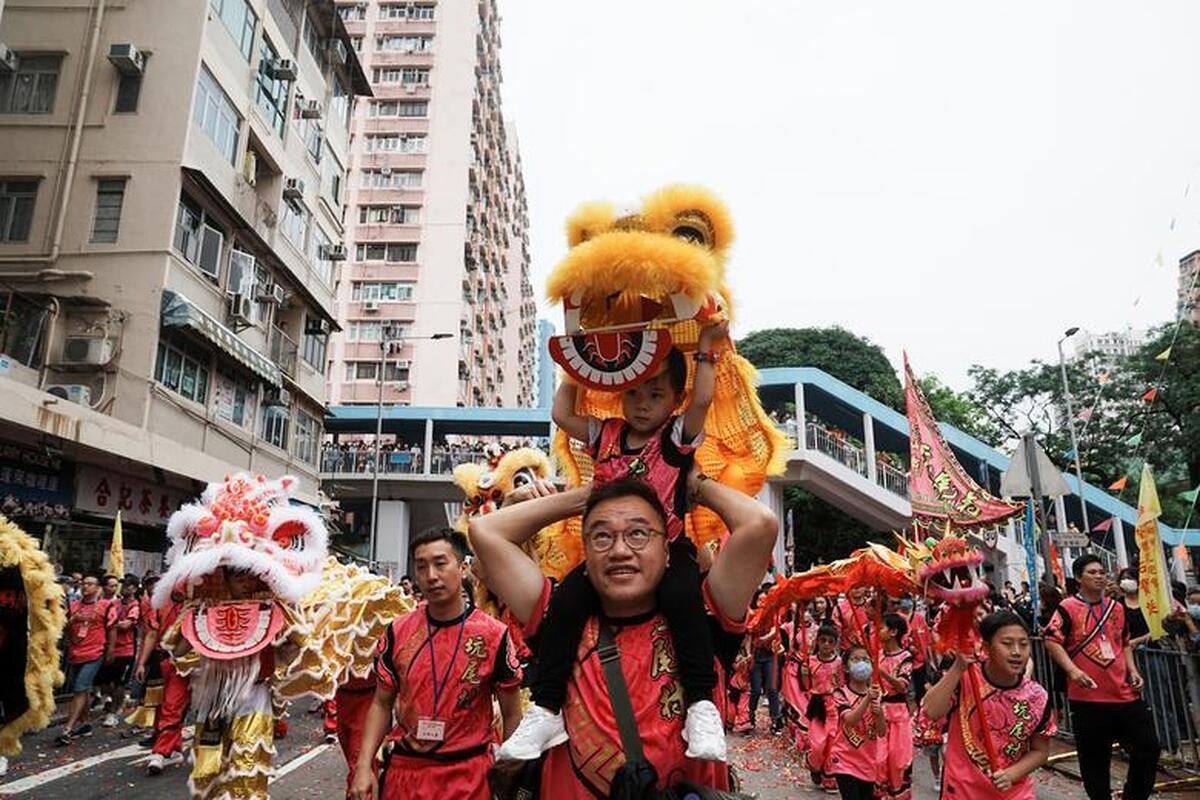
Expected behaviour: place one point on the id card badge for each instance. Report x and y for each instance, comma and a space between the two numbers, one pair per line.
431, 730
1106, 651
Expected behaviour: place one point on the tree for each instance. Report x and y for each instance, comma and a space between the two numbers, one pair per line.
823, 532
850, 358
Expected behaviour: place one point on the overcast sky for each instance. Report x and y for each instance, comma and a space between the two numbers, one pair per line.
964, 180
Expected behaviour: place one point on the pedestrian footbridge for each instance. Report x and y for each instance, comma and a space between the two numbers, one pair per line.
846, 447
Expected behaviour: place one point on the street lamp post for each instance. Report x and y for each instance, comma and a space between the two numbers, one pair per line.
387, 339
1062, 366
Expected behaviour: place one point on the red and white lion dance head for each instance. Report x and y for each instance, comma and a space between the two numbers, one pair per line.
244, 523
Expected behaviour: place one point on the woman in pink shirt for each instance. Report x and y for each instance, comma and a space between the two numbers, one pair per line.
861, 727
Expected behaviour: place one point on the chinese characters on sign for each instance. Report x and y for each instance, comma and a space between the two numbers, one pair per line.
104, 493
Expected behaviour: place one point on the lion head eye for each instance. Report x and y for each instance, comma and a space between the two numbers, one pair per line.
693, 227
290, 535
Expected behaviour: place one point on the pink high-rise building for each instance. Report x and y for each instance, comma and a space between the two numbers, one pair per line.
436, 218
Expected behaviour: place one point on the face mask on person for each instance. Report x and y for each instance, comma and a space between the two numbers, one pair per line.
1128, 585
860, 670
1194, 610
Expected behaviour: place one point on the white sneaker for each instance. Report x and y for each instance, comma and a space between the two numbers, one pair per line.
539, 731
3, 766
155, 765
110, 721
704, 732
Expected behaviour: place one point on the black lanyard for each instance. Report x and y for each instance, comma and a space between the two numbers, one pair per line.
433, 677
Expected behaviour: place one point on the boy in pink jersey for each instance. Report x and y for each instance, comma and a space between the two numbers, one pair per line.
823, 675
860, 728
895, 673
1015, 709
655, 445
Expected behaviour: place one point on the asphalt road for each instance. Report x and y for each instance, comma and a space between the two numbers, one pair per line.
110, 764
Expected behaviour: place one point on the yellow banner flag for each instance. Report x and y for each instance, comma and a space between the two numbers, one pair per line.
1153, 594
1164, 355
116, 551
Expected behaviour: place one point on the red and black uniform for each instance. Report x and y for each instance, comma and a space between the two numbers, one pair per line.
663, 463
177, 692
583, 767
345, 716
1095, 636
124, 642
444, 673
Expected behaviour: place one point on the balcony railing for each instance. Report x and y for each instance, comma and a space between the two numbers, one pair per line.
361, 461
837, 448
891, 478
284, 351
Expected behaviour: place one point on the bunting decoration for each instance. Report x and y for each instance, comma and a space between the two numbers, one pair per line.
1135, 440
1119, 484
1191, 495
939, 488
1164, 355
1102, 527
1150, 394
1153, 595
1086, 414
1103, 377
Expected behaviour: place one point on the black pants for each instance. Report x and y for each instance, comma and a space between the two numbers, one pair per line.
681, 604
1097, 726
851, 788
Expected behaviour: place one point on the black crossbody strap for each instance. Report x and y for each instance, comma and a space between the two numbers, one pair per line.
1087, 639
618, 694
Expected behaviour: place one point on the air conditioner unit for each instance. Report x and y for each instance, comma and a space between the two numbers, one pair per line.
293, 189
337, 49
317, 327
264, 292
278, 295
311, 110
127, 59
250, 167
241, 307
405, 364
370, 305
75, 392
385, 170
400, 386
91, 350
283, 69
277, 397
410, 88
9, 61
333, 252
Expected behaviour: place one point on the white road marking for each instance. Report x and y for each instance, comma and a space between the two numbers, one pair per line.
300, 761
42, 778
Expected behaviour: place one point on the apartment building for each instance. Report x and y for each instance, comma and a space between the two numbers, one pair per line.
1188, 304
171, 191
437, 220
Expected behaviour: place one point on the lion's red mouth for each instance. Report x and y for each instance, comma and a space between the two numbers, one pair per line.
232, 630
955, 578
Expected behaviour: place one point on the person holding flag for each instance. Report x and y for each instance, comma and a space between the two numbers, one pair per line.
1088, 638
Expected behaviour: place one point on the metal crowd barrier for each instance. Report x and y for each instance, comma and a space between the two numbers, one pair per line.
1172, 693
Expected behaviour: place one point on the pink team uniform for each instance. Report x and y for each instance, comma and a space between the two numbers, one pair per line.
896, 749
1095, 637
855, 750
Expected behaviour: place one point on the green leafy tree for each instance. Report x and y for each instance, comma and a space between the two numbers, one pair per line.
848, 357
958, 409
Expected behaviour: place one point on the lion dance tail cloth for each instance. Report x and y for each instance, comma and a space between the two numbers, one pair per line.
31, 623
632, 286
245, 558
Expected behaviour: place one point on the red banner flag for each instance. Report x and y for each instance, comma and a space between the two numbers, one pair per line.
1103, 526
1119, 484
938, 487
1150, 394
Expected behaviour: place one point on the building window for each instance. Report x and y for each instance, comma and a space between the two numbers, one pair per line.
394, 108
129, 90
389, 215
361, 370
388, 291
406, 11
110, 196
356, 42
313, 349
182, 369
293, 221
31, 88
413, 76
353, 13
197, 239
240, 20
397, 143
22, 328
17, 198
215, 115
274, 428
309, 130
308, 437
235, 399
392, 252
272, 92
405, 44
393, 179
246, 276
314, 42
339, 105
320, 243
334, 176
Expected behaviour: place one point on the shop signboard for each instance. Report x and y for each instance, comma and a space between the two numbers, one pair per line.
35, 476
102, 492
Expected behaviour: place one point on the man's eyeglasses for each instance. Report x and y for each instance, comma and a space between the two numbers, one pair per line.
635, 539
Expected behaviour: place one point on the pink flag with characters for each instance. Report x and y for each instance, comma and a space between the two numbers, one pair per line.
939, 488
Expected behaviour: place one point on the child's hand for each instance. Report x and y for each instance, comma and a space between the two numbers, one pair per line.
713, 332
531, 490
